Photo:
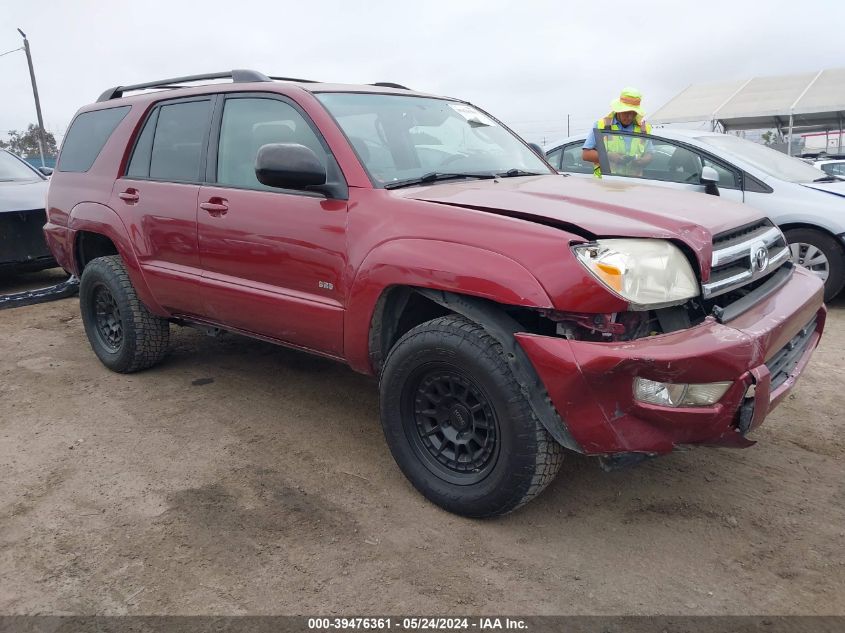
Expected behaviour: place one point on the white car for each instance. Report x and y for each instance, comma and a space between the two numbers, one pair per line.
834, 167
807, 203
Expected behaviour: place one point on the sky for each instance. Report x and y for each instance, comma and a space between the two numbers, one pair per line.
529, 63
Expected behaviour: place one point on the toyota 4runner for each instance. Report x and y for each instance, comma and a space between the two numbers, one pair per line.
509, 312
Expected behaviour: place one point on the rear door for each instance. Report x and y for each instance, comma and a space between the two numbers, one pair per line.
157, 199
272, 259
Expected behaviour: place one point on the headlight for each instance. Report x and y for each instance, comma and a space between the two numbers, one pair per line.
669, 394
647, 273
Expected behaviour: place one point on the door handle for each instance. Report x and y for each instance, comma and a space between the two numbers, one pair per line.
215, 207
130, 195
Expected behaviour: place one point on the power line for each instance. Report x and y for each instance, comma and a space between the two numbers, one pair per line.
14, 50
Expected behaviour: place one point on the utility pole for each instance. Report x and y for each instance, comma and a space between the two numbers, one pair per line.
42, 141
567, 125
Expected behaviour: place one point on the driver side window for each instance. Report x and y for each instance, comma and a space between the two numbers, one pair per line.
249, 123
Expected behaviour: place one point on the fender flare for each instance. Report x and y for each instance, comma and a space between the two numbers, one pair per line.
502, 328
94, 217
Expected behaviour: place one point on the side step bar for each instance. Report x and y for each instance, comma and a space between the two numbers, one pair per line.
67, 288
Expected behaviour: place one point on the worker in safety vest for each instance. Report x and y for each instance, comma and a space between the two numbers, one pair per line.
627, 155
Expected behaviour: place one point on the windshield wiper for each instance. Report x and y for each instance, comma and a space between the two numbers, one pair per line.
513, 173
829, 179
436, 176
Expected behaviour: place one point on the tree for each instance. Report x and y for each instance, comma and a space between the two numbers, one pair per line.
769, 138
26, 143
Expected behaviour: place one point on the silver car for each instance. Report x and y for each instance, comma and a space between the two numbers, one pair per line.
807, 203
23, 190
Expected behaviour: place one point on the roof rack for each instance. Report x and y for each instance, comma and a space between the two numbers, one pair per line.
390, 84
237, 76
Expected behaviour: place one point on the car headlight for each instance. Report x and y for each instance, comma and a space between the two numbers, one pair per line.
669, 394
648, 273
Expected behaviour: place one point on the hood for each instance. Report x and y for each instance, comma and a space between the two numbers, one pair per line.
836, 188
23, 195
594, 208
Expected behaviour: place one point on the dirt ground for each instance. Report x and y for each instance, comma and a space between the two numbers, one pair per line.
243, 478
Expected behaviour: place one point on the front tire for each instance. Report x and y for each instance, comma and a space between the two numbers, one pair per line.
457, 423
124, 335
822, 255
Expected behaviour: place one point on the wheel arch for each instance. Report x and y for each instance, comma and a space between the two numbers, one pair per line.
97, 230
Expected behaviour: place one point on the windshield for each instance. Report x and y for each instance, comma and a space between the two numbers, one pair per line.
401, 138
766, 159
13, 169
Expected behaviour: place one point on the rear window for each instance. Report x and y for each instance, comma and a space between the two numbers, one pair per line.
179, 141
86, 137
172, 144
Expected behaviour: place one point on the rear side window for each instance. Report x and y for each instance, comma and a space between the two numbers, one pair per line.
180, 141
87, 136
172, 144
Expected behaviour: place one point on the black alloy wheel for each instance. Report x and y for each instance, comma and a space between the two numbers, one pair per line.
109, 325
451, 424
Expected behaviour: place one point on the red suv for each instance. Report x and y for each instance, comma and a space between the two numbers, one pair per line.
509, 312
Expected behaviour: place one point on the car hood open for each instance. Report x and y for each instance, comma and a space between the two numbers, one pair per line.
22, 195
593, 208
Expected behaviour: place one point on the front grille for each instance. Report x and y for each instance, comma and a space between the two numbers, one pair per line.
744, 255
784, 361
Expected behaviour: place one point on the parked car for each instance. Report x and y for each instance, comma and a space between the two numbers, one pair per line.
806, 203
834, 167
23, 190
509, 313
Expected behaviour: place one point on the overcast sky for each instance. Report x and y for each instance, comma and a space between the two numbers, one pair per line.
530, 63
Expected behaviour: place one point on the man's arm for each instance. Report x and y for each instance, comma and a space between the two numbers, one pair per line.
588, 150
590, 155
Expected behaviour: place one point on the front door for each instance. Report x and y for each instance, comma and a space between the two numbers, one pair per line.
667, 164
273, 260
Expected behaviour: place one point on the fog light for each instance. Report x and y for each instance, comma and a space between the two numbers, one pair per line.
669, 394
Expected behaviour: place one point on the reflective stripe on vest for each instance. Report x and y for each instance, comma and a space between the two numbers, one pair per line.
616, 143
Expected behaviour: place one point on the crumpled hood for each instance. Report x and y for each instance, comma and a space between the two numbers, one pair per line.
23, 195
595, 208
834, 188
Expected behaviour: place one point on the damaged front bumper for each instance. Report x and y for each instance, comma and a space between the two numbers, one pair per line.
761, 352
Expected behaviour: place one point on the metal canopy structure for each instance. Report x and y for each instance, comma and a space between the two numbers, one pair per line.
806, 102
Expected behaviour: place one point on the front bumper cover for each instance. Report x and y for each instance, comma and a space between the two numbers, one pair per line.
591, 384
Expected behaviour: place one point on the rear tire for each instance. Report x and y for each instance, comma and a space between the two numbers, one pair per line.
457, 423
124, 335
819, 253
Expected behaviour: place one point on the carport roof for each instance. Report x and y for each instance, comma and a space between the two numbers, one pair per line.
816, 101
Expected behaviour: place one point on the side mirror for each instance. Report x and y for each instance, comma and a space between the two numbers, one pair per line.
538, 150
710, 180
47, 171
288, 166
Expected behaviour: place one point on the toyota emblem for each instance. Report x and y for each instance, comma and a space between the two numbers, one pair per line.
760, 259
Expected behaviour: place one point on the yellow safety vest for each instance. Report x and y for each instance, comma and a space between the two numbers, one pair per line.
616, 143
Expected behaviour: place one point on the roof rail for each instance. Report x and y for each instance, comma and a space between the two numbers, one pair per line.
390, 84
302, 81
237, 76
